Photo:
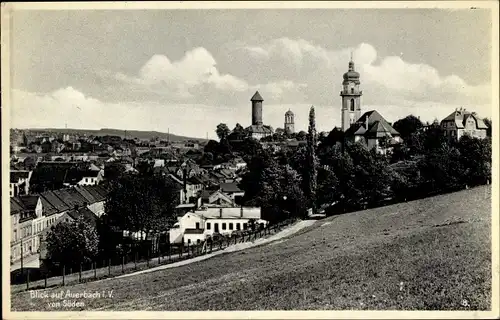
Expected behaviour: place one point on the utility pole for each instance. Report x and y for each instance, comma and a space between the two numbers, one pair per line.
22, 270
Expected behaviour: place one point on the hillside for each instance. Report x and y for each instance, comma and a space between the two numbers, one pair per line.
117, 132
433, 253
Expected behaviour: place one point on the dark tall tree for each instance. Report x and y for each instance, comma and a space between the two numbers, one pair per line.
312, 160
487, 122
407, 126
141, 203
72, 243
222, 131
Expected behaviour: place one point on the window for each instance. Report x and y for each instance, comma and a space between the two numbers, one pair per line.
352, 90
238, 226
223, 226
352, 104
208, 225
230, 226
245, 226
197, 225
189, 241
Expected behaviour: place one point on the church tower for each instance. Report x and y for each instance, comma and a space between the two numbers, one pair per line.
289, 122
351, 97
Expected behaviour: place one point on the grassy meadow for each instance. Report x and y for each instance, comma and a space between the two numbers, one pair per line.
429, 254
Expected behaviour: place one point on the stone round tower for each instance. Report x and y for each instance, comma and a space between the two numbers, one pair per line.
257, 109
289, 122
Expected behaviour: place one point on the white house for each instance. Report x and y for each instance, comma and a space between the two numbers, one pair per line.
194, 227
19, 179
91, 178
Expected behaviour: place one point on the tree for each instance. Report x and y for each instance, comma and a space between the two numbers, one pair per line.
222, 131
301, 136
141, 203
239, 133
334, 137
475, 157
487, 122
273, 187
312, 160
72, 243
280, 131
407, 126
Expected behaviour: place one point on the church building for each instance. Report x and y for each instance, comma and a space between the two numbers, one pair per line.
370, 128
258, 130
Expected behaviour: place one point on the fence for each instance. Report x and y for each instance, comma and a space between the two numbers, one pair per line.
108, 268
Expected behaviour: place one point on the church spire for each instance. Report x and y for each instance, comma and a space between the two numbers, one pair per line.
351, 63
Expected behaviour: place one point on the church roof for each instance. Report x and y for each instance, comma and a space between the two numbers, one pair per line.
256, 128
289, 113
377, 126
257, 97
378, 130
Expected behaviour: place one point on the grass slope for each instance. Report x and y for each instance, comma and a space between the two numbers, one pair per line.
433, 253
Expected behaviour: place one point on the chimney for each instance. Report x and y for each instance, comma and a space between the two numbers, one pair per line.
241, 212
366, 122
220, 213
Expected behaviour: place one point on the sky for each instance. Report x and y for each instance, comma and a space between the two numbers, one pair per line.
185, 71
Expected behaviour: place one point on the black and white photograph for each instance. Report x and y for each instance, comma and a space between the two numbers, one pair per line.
265, 160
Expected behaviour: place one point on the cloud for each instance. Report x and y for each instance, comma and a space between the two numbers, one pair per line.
190, 96
68, 106
195, 78
384, 80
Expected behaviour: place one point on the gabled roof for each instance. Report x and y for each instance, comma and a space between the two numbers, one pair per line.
98, 192
71, 197
54, 200
48, 208
378, 130
28, 202
374, 119
461, 116
230, 187
85, 212
15, 206
230, 213
84, 192
257, 97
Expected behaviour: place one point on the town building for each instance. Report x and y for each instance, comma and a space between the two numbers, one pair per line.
195, 227
462, 122
258, 130
19, 182
31, 215
371, 128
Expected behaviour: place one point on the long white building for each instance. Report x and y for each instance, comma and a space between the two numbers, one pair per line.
194, 227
